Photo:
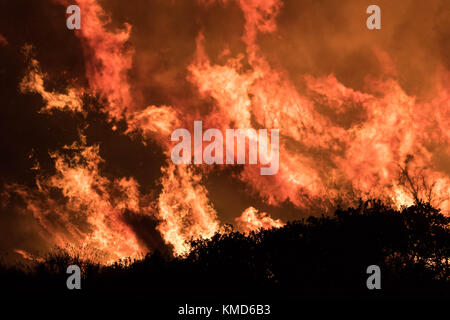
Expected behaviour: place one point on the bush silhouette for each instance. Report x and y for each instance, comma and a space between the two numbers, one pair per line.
314, 257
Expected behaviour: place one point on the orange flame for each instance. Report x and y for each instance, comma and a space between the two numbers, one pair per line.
88, 215
325, 158
110, 59
34, 82
252, 220
28, 256
184, 208
319, 156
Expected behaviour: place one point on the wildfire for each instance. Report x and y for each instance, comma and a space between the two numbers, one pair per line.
28, 256
87, 216
34, 82
109, 59
325, 155
252, 220
185, 209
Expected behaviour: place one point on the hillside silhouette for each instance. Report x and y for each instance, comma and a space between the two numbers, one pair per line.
314, 257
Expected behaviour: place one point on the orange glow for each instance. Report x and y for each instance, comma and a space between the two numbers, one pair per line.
34, 82
109, 59
184, 208
319, 158
252, 220
28, 256
3, 40
337, 143
88, 216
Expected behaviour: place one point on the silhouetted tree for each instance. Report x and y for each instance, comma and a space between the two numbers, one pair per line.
317, 257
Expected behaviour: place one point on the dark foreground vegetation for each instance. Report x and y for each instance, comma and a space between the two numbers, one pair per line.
316, 257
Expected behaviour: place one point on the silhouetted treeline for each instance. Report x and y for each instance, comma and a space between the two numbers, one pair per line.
315, 257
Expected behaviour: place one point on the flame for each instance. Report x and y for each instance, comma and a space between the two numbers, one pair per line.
87, 216
107, 67
319, 157
252, 220
28, 256
86, 192
184, 208
326, 157
109, 58
34, 82
153, 121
